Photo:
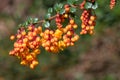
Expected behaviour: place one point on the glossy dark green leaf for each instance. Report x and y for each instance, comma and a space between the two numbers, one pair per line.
35, 20
29, 20
72, 10
71, 2
48, 15
46, 24
50, 10
58, 7
88, 5
62, 11
95, 6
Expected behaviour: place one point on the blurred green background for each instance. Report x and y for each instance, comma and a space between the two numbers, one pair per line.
92, 58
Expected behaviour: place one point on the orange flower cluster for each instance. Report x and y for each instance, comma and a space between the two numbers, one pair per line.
59, 19
88, 22
82, 5
70, 37
54, 41
112, 3
50, 41
28, 41
27, 45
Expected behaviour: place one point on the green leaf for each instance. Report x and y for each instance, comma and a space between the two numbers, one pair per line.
35, 20
47, 16
62, 11
29, 19
72, 10
46, 24
26, 23
50, 10
71, 2
58, 7
95, 6
88, 5
20, 25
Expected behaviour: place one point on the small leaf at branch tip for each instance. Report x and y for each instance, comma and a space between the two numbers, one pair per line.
58, 7
48, 15
72, 10
35, 20
88, 5
71, 2
62, 11
50, 10
95, 6
46, 24
91, 5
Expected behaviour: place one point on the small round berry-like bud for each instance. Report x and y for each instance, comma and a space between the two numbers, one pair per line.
47, 31
16, 44
46, 36
92, 18
69, 33
34, 62
12, 37
37, 39
30, 33
51, 48
19, 36
75, 26
81, 17
39, 28
30, 28
76, 37
65, 15
23, 33
25, 40
37, 51
72, 44
83, 26
41, 34
24, 45
91, 32
30, 37
72, 21
67, 9
51, 32
29, 57
34, 33
87, 27
91, 27
47, 48
66, 6
23, 62
31, 66
90, 22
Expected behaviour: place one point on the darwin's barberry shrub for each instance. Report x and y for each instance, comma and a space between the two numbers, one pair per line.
34, 33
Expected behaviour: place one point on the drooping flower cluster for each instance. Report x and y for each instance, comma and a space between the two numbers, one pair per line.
50, 41
70, 37
88, 22
27, 45
112, 3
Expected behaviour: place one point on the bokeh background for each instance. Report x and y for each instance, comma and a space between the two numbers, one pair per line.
94, 57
